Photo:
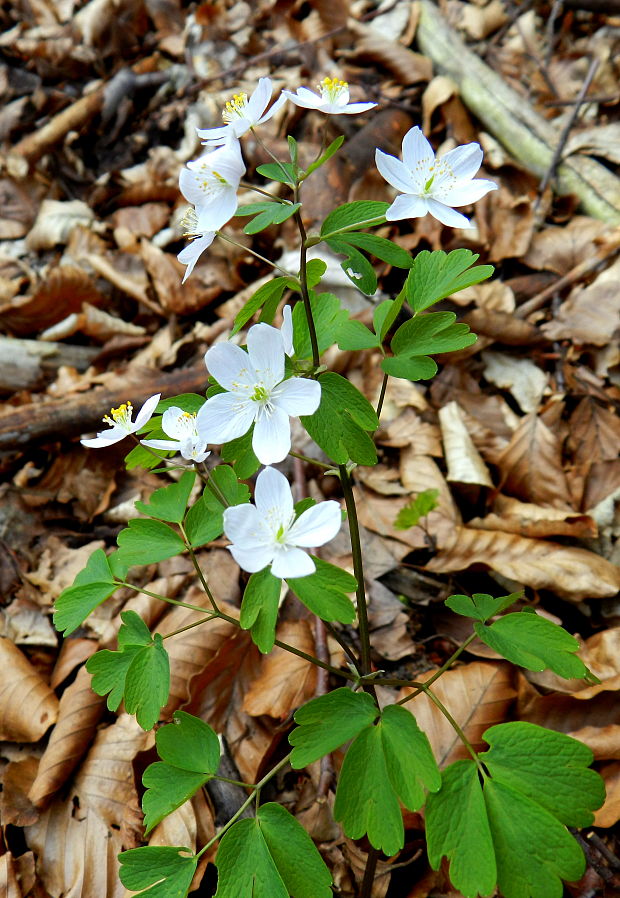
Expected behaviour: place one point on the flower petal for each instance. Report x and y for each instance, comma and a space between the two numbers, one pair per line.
252, 560
396, 173
304, 98
213, 136
467, 193
226, 417
292, 563
271, 440
231, 367
464, 161
297, 396
169, 445
287, 330
192, 252
407, 206
355, 108
418, 154
273, 109
273, 497
446, 215
259, 99
243, 525
316, 525
145, 412
106, 438
266, 352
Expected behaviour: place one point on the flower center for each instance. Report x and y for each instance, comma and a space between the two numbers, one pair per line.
187, 424
281, 534
260, 394
210, 181
235, 108
189, 223
121, 416
332, 88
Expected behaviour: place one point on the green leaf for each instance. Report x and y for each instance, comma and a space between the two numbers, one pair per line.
284, 172
190, 753
512, 824
169, 502
224, 484
356, 266
133, 630
533, 642
431, 333
411, 765
245, 868
354, 335
241, 453
259, 608
419, 367
293, 149
109, 669
204, 521
273, 288
324, 592
366, 803
315, 269
165, 869
141, 457
340, 423
327, 722
145, 541
275, 214
481, 606
416, 509
352, 216
437, 275
92, 586
253, 208
386, 314
329, 152
383, 249
549, 767
147, 683
457, 826
295, 855
327, 313
189, 402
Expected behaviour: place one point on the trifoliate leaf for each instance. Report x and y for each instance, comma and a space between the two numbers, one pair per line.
340, 423
431, 333
327, 722
324, 592
92, 586
168, 872
481, 606
109, 672
169, 502
146, 541
560, 779
533, 642
147, 683
245, 868
190, 753
259, 608
418, 508
437, 275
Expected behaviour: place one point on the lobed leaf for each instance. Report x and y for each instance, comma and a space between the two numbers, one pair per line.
169, 502
340, 423
165, 870
481, 606
147, 683
431, 333
435, 275
92, 586
415, 368
146, 541
324, 592
259, 608
327, 722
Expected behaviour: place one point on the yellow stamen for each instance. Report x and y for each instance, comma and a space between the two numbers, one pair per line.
121, 415
235, 108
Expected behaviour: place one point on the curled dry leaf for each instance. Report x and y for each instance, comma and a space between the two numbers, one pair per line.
502, 327
594, 432
408, 429
406, 66
610, 812
531, 465
463, 460
55, 221
79, 712
560, 249
388, 622
92, 322
285, 681
478, 695
535, 521
525, 380
571, 573
590, 314
28, 707
511, 223
15, 805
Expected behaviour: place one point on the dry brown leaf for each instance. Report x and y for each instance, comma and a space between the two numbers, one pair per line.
531, 465
17, 209
406, 66
478, 695
79, 712
15, 806
571, 573
609, 813
55, 221
602, 484
594, 432
560, 249
59, 565
105, 783
285, 681
408, 429
526, 519
28, 707
511, 223
438, 91
74, 651
525, 380
141, 221
464, 463
590, 314
177, 828
494, 296
419, 473
9, 884
388, 622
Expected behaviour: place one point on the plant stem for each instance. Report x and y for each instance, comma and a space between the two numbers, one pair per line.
198, 570
303, 278
252, 252
370, 222
358, 569
275, 199
197, 623
444, 667
311, 461
369, 873
255, 792
382, 394
459, 732
273, 156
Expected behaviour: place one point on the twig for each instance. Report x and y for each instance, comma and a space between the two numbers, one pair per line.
556, 9
557, 153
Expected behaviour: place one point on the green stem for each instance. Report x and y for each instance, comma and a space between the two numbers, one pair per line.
197, 623
311, 461
225, 779
459, 732
273, 156
303, 279
198, 570
252, 252
370, 222
444, 667
275, 199
369, 873
358, 569
255, 792
156, 595
382, 394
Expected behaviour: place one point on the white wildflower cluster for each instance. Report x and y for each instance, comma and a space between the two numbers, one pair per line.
255, 390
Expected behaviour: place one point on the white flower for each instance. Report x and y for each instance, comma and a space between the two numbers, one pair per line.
201, 239
431, 185
334, 98
257, 394
241, 114
210, 183
121, 424
188, 434
287, 330
267, 532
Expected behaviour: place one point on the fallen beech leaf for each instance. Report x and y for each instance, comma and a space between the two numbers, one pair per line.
73, 653
601, 654
9, 876
178, 828
590, 313
388, 622
142, 221
438, 91
94, 323
419, 473
511, 223
536, 521
464, 462
79, 712
55, 221
477, 695
571, 573
15, 806
560, 249
59, 566
525, 380
594, 432
28, 707
285, 681
610, 812
409, 430
531, 465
